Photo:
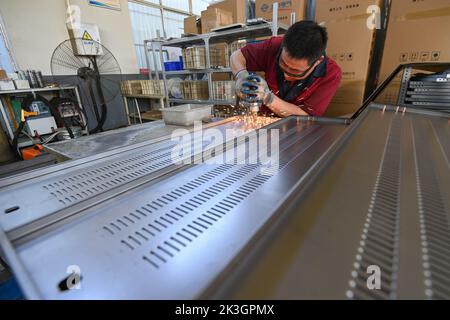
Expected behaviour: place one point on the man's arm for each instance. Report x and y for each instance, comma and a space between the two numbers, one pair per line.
238, 62
285, 109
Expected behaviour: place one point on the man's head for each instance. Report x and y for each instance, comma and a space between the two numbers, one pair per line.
303, 48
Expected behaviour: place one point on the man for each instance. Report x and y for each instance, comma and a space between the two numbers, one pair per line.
300, 78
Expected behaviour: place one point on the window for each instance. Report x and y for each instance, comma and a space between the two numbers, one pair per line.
178, 4
199, 5
6, 57
146, 24
173, 24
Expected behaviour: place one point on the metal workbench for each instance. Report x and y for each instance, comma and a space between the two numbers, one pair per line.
345, 197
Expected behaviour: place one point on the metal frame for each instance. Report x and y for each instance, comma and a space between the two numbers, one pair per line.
407, 73
310, 10
163, 7
388, 80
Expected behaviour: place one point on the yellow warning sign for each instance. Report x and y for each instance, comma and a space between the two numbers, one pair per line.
87, 36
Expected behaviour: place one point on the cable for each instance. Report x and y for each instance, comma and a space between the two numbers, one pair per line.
104, 110
50, 138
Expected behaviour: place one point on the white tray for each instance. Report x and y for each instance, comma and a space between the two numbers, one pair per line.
186, 114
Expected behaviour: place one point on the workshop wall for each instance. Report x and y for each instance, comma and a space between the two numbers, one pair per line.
35, 28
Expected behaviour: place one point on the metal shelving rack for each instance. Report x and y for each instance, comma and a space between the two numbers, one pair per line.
155, 47
4, 119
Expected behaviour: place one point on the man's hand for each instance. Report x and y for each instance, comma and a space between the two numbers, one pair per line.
253, 88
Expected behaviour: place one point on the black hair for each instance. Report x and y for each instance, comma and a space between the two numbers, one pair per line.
305, 40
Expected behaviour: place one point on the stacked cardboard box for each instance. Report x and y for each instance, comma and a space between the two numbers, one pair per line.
238, 9
418, 31
217, 14
264, 9
195, 90
194, 57
235, 46
152, 87
224, 90
137, 87
351, 32
192, 25
221, 76
214, 18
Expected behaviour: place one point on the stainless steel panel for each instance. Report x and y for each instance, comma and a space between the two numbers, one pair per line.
172, 238
345, 197
382, 199
66, 185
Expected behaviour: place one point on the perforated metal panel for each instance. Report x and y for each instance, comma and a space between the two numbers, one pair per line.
171, 238
344, 198
380, 202
46, 194
434, 216
380, 236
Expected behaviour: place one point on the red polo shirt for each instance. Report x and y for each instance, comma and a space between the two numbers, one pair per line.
316, 96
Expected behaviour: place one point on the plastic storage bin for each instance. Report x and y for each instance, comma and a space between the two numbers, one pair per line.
173, 66
186, 114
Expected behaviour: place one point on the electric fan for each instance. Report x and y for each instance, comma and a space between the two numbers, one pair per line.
93, 67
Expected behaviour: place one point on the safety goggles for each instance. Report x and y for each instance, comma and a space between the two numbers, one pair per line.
301, 75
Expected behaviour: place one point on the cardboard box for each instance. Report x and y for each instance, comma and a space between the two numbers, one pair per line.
264, 9
238, 9
348, 98
418, 31
192, 25
3, 74
352, 53
221, 76
214, 18
390, 94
